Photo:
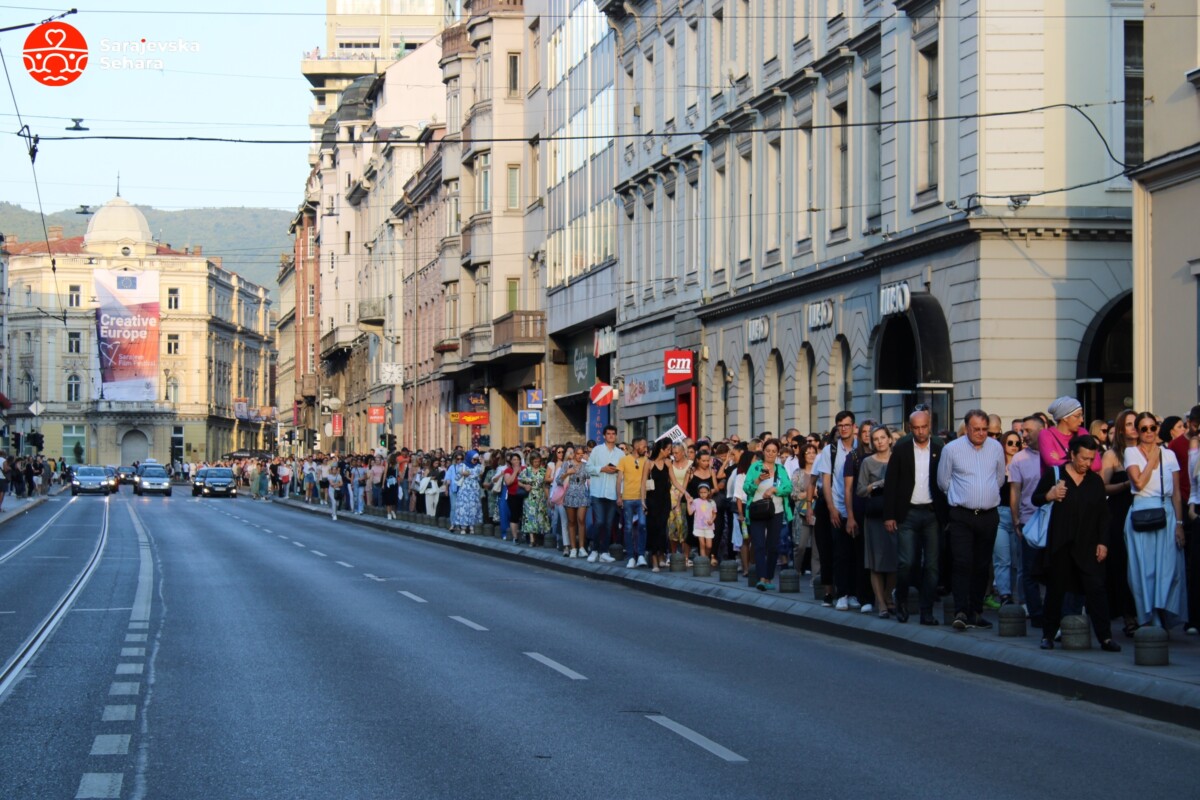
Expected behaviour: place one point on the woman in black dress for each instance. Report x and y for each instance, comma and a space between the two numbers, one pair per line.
1123, 434
391, 487
1077, 542
658, 503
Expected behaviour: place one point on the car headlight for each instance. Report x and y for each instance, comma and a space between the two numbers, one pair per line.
75, 483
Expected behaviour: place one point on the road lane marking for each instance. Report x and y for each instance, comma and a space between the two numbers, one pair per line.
43, 558
267, 530
298, 544
140, 615
99, 784
475, 626
135, 637
281, 536
374, 577
7, 612
557, 667
318, 553
133, 652
110, 744
119, 714
344, 564
45, 527
138, 625
128, 608
413, 597
696, 738
130, 669
125, 688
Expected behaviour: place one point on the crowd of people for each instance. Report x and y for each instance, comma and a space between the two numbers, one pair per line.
873, 514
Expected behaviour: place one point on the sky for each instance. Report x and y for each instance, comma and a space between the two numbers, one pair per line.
236, 74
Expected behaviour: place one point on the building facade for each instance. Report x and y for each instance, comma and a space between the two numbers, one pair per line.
870, 207
204, 356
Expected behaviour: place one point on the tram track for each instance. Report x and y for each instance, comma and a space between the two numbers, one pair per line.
29, 648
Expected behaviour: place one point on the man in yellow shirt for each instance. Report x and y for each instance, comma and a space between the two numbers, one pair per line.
632, 502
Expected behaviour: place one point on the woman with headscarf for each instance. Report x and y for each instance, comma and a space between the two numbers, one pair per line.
1054, 442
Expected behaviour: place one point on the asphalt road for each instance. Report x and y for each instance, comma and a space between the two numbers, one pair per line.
287, 656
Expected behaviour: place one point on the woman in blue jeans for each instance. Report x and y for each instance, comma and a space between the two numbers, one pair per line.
767, 480
1006, 554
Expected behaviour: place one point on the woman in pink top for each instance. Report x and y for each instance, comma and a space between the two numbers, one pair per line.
1054, 442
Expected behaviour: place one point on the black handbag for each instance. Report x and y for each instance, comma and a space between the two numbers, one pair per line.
762, 510
1148, 520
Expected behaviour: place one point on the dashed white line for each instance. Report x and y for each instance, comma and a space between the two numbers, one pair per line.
111, 744
475, 626
133, 652
130, 669
413, 597
374, 577
344, 564
125, 688
119, 714
100, 784
267, 530
281, 536
135, 637
696, 738
298, 544
318, 553
557, 667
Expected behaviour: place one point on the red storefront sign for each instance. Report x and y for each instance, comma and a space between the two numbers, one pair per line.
336, 422
677, 366
473, 418
376, 415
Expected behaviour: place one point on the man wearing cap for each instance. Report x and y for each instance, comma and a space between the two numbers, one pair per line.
1054, 441
1181, 446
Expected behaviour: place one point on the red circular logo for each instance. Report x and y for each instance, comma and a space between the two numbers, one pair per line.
55, 54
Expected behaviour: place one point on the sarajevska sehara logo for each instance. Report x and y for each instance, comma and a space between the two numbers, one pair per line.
55, 54
677, 366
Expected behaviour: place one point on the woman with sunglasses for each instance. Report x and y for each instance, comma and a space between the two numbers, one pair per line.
1100, 429
1156, 562
1006, 553
1123, 435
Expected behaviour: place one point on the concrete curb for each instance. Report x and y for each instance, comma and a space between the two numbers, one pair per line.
1155, 694
13, 513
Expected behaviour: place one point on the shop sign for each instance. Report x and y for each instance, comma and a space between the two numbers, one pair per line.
604, 342
472, 401
455, 416
894, 299
376, 415
677, 366
646, 387
529, 419
335, 425
601, 394
758, 329
534, 398
598, 417
473, 418
581, 364
820, 315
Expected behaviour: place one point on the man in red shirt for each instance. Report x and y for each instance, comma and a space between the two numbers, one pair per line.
1179, 446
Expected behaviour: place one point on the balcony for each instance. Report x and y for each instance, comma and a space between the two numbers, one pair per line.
340, 337
455, 41
520, 334
481, 7
308, 385
477, 343
372, 313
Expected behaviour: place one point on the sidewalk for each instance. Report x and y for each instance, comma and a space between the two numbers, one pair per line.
15, 506
1170, 693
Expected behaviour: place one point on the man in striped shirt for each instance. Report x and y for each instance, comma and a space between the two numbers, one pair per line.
971, 473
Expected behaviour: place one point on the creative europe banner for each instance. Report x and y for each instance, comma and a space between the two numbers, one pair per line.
127, 334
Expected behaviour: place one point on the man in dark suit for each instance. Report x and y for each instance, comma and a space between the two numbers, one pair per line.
915, 511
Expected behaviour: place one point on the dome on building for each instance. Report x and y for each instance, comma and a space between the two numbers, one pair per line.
118, 221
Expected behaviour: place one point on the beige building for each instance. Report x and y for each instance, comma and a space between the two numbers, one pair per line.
204, 354
1166, 249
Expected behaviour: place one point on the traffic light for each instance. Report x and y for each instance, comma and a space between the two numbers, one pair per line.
391, 442
36, 440
16, 441
383, 440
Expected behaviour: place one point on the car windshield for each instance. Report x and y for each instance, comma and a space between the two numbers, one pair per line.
89, 472
219, 473
154, 472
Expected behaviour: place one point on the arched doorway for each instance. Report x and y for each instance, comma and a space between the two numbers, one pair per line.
913, 363
773, 394
745, 386
134, 447
804, 389
1105, 368
719, 390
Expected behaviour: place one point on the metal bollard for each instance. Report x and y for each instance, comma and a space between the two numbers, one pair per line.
678, 563
1150, 647
1012, 620
617, 551
701, 568
789, 581
729, 571
1076, 632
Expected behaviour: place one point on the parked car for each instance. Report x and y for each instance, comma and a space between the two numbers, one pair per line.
152, 478
90, 480
198, 482
219, 482
126, 474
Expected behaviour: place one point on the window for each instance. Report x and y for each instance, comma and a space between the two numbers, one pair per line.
774, 180
74, 389
716, 79
172, 344
452, 309
173, 299
75, 342
772, 23
532, 47
648, 91
172, 395
668, 241
719, 202
483, 177
841, 167
453, 107
535, 191
669, 93
28, 295
803, 182
1135, 64
74, 296
874, 154
483, 76
312, 299
347, 250
692, 71
312, 358
483, 301
928, 79
514, 186
514, 74
453, 209
28, 343
691, 232
75, 443
745, 208
513, 294
747, 22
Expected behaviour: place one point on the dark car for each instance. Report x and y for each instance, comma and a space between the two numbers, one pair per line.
126, 474
114, 479
152, 478
198, 482
90, 480
219, 482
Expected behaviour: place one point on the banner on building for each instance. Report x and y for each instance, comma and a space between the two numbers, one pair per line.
581, 363
646, 387
598, 417
473, 418
376, 415
241, 408
127, 334
336, 425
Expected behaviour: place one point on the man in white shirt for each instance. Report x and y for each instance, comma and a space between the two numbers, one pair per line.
602, 486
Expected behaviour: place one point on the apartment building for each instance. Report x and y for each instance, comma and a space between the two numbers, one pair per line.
865, 204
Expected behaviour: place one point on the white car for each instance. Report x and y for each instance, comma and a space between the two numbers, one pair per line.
152, 478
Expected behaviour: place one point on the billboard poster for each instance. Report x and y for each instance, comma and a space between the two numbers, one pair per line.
241, 408
127, 334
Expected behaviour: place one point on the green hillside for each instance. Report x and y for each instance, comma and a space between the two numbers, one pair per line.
249, 240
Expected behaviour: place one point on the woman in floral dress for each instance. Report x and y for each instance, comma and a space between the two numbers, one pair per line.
677, 528
468, 510
535, 520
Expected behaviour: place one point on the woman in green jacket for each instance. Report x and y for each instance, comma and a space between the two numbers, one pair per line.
767, 483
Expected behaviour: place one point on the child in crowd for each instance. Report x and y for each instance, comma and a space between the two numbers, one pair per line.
704, 518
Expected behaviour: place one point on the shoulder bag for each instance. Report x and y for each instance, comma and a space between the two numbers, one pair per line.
1148, 520
1037, 528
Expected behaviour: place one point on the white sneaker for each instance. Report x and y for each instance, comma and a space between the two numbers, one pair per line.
574, 553
641, 561
335, 517
592, 557
842, 604
631, 563
853, 601
867, 608
606, 558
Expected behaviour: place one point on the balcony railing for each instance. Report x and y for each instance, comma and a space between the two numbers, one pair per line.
372, 311
455, 40
521, 327
481, 7
477, 342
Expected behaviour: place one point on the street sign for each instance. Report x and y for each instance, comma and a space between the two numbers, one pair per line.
601, 394
533, 398
36, 408
376, 415
454, 415
529, 419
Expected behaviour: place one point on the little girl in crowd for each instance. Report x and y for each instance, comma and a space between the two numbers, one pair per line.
704, 516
